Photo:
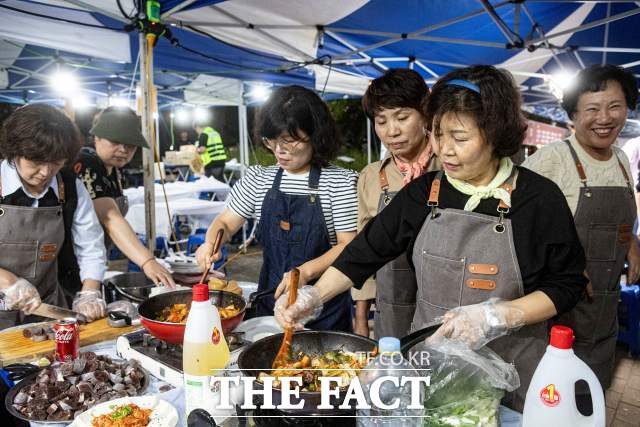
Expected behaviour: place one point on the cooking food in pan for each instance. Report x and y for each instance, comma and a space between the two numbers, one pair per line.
177, 313
130, 415
63, 390
335, 363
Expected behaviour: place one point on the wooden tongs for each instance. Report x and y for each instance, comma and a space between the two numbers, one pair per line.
216, 248
283, 353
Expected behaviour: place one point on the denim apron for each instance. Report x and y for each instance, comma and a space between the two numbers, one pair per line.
292, 231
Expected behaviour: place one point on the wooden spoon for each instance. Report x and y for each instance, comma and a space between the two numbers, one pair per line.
216, 247
281, 357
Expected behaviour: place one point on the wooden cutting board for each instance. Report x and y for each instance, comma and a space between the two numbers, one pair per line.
14, 348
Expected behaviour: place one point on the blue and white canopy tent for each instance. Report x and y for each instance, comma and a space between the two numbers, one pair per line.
217, 49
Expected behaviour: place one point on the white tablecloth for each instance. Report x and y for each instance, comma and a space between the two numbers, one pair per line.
200, 213
180, 190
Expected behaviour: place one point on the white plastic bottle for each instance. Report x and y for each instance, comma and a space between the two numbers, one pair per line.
389, 362
550, 398
204, 354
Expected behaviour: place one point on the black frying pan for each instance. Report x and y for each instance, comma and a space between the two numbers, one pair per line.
258, 357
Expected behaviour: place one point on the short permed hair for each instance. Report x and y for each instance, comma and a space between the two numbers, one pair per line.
396, 88
496, 109
594, 79
39, 133
291, 109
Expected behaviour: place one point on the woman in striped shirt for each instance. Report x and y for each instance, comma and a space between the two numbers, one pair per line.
306, 208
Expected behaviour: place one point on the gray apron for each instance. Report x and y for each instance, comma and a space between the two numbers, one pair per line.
464, 258
30, 240
122, 202
604, 220
395, 285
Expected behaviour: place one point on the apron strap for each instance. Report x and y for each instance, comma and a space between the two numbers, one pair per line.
509, 185
624, 173
277, 179
314, 178
579, 167
434, 194
119, 181
61, 193
382, 179
1, 197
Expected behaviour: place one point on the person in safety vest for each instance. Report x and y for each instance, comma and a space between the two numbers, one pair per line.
210, 148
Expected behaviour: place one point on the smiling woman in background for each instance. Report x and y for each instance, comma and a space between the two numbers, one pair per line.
595, 177
306, 208
45, 214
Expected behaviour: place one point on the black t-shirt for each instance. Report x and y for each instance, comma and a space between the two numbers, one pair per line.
550, 256
93, 174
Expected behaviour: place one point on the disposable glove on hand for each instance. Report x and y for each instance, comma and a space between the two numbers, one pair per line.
91, 304
307, 307
22, 296
476, 325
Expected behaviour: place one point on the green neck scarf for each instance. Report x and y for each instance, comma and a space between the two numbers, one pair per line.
484, 192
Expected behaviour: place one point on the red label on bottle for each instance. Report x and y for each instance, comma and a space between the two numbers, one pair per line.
215, 336
550, 396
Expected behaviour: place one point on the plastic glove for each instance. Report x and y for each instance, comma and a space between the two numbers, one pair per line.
307, 307
476, 325
91, 304
22, 296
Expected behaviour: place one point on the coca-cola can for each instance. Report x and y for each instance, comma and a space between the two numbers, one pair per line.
67, 339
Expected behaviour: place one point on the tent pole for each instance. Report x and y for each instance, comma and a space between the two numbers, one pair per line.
368, 140
243, 144
148, 130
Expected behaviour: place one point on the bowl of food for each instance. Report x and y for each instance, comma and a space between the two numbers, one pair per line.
141, 411
165, 315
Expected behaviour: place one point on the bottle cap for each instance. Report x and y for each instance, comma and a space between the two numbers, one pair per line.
388, 345
200, 292
561, 337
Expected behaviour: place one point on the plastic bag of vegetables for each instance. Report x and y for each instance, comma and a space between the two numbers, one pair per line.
466, 385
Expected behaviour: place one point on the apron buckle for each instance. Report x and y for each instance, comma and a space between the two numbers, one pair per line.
386, 200
1, 212
499, 228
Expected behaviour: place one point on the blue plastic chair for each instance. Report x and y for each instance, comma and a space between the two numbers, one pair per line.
629, 318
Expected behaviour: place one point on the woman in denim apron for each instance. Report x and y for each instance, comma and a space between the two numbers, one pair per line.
306, 207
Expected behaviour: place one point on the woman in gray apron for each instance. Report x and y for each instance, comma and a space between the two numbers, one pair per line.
490, 260
594, 176
393, 102
35, 143
117, 136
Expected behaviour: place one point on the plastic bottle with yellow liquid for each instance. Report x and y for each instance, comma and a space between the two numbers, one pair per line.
204, 354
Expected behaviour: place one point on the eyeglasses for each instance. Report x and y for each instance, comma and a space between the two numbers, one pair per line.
289, 143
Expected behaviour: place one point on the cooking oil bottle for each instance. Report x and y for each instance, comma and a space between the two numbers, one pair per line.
204, 354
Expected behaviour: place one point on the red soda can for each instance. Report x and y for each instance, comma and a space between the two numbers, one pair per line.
67, 339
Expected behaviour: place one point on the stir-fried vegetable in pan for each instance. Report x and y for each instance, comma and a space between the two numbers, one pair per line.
336, 363
177, 313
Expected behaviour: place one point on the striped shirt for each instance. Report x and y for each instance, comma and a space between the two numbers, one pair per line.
337, 190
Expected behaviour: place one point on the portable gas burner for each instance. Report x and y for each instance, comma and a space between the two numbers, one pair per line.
164, 360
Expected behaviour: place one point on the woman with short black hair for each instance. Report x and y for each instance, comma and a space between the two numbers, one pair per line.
493, 245
305, 207
394, 103
595, 177
44, 213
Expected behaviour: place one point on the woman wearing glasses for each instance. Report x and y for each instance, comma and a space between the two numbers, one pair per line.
306, 208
